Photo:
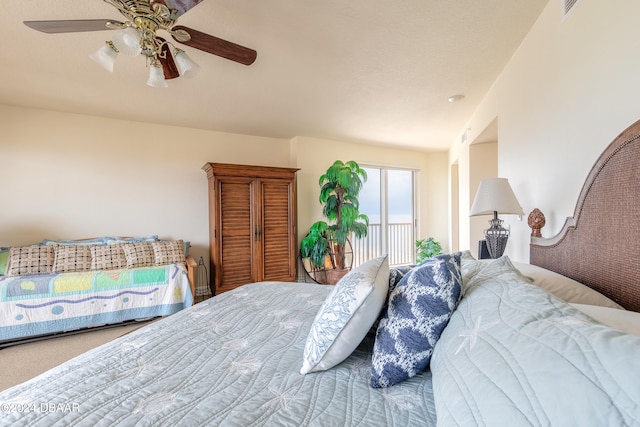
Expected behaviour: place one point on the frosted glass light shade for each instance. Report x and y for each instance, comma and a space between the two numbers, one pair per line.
156, 77
127, 41
495, 195
187, 67
105, 57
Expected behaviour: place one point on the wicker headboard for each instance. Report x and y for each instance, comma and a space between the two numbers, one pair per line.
600, 245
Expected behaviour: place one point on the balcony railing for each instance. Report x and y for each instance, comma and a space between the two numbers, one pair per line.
400, 241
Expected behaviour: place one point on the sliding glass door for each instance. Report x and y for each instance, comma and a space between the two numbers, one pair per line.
388, 199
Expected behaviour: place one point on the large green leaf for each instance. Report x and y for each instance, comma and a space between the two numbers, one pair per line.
315, 245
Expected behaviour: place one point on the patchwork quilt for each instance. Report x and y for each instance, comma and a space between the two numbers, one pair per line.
44, 304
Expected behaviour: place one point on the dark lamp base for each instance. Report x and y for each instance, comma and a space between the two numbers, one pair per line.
496, 237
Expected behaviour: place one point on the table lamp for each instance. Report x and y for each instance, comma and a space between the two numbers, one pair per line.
495, 196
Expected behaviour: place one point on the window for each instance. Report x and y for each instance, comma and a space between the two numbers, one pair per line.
387, 198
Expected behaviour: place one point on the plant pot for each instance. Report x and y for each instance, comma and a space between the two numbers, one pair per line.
320, 276
334, 276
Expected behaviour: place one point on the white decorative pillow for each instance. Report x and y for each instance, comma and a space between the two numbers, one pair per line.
69, 259
107, 257
623, 320
566, 289
469, 266
168, 251
346, 315
563, 287
139, 254
27, 260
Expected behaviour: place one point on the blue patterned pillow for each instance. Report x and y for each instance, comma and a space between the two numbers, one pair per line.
346, 315
418, 310
395, 275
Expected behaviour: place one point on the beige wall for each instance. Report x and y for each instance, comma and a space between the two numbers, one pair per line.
434, 195
71, 176
483, 164
568, 91
454, 206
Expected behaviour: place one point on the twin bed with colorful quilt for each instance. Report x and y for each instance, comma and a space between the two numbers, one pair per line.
61, 286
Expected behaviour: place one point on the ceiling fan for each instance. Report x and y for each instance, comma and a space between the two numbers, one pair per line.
138, 35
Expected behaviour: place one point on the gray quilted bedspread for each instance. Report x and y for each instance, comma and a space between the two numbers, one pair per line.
514, 355
233, 360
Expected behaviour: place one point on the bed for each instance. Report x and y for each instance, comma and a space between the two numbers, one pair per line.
504, 344
58, 287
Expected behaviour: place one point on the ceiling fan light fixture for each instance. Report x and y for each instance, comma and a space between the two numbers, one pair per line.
187, 67
156, 75
105, 56
128, 41
138, 35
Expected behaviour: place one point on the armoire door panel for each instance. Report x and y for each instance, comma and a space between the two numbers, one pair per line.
276, 207
276, 261
277, 225
236, 262
236, 267
235, 203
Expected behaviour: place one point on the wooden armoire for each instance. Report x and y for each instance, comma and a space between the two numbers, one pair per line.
252, 236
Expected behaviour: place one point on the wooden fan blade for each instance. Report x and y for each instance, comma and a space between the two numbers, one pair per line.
216, 46
74, 26
168, 63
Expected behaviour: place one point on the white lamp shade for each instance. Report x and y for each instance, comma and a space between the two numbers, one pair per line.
156, 77
105, 57
186, 66
127, 41
495, 195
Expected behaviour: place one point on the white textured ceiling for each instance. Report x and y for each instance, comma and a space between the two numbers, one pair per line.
375, 71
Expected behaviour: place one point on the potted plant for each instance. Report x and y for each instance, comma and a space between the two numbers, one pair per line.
340, 187
427, 248
315, 247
